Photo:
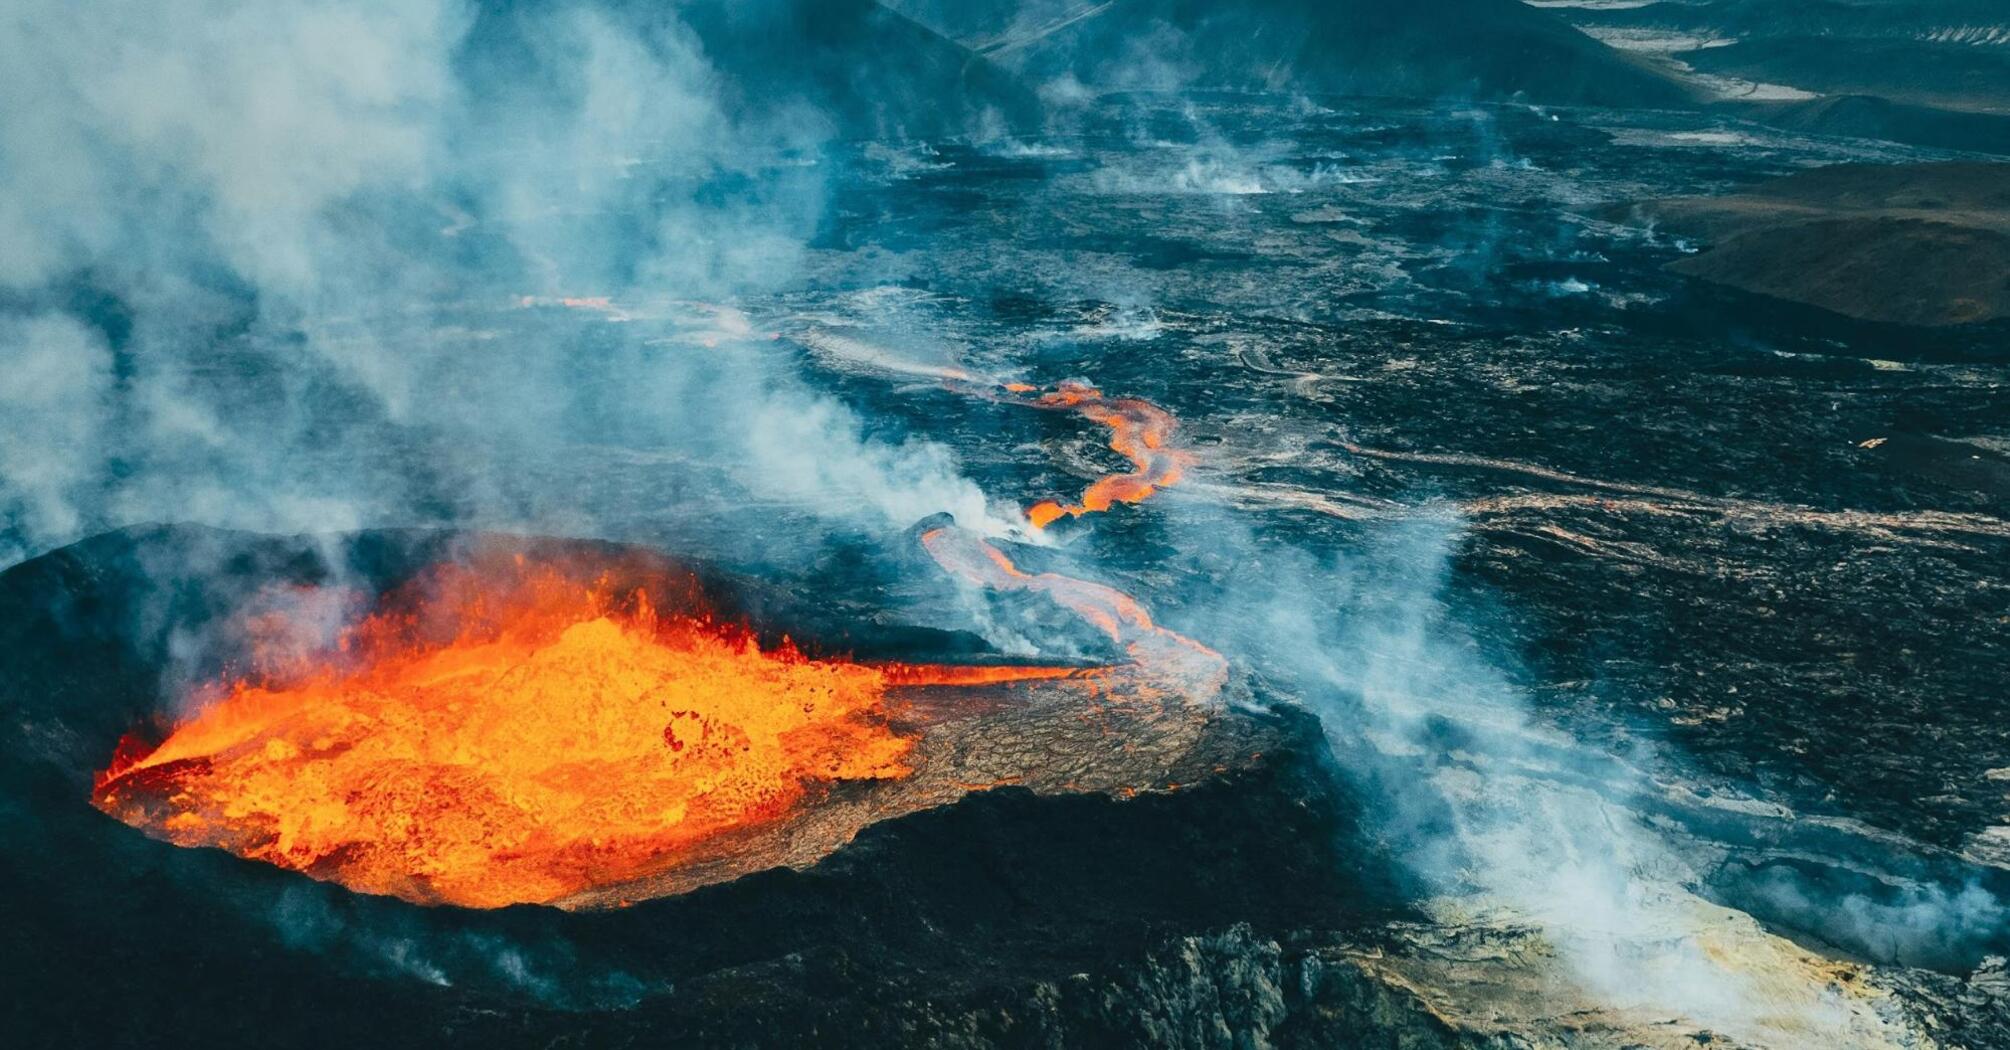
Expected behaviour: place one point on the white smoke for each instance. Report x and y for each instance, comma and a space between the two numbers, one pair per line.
54, 408
137, 125
287, 230
1500, 815
851, 470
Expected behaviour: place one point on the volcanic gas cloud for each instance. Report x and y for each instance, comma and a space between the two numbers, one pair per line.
505, 733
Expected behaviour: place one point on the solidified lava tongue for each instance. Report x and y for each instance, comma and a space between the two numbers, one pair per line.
513, 734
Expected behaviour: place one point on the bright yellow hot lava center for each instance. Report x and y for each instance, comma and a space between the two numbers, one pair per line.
563, 745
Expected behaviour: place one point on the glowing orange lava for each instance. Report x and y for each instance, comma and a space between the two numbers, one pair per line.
1140, 431
501, 735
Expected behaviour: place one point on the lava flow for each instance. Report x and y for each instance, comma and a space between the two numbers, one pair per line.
1139, 430
494, 736
1161, 659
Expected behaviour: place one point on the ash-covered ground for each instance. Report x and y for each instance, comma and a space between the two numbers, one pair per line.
1632, 647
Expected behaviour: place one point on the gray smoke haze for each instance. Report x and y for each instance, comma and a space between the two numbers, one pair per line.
53, 412
547, 970
266, 266
1915, 924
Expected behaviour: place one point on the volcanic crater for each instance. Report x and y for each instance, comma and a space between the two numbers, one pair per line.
1029, 821
540, 721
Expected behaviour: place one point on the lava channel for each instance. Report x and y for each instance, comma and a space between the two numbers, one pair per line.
1163, 662
492, 737
1139, 431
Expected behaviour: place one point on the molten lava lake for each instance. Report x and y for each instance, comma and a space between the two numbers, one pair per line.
511, 729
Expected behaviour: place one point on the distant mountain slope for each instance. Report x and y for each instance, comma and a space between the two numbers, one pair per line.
1870, 117
1925, 244
1949, 53
1979, 22
1953, 76
1930, 63
1486, 49
868, 71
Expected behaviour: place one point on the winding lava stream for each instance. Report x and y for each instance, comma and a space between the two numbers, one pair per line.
1143, 433
1139, 430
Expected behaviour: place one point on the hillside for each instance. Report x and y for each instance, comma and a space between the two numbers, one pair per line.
1925, 244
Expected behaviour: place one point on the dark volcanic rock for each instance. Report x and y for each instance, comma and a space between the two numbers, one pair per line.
1971, 1011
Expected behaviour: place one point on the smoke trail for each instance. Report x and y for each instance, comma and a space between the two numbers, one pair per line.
1496, 814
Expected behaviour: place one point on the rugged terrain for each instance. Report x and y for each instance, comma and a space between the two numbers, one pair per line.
1600, 501
1944, 54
